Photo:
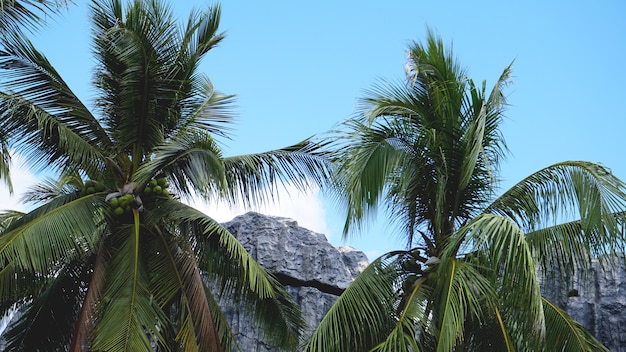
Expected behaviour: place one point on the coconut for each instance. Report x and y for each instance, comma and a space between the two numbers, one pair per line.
115, 202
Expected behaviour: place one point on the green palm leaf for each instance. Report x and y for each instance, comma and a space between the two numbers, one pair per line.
568, 189
26, 13
46, 323
586, 196
193, 161
70, 227
404, 335
178, 274
513, 273
565, 333
49, 189
253, 178
18, 286
465, 296
43, 113
208, 111
370, 154
360, 317
128, 306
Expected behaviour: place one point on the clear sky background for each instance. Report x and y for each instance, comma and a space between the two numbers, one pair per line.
299, 67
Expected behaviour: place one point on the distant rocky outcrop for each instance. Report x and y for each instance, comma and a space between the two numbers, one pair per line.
597, 300
313, 271
316, 272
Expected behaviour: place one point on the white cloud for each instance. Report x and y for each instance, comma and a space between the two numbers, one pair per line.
305, 208
22, 178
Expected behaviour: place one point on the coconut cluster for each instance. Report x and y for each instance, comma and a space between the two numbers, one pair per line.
130, 197
91, 187
414, 270
157, 187
123, 204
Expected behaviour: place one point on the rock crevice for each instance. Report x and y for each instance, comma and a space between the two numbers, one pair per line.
287, 280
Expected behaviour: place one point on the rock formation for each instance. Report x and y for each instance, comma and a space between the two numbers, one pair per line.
318, 272
597, 300
314, 271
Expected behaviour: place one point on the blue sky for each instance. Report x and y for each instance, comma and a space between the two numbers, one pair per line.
298, 69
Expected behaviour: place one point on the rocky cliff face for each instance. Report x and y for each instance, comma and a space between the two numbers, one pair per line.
314, 271
597, 301
318, 272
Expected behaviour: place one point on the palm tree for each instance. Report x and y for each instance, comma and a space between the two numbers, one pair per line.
428, 151
110, 258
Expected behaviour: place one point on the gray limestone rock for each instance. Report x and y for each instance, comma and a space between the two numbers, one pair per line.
317, 271
596, 299
284, 248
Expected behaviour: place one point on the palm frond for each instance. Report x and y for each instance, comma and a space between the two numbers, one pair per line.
563, 249
48, 143
5, 160
207, 111
129, 319
203, 27
254, 178
54, 233
566, 334
50, 188
367, 156
577, 204
360, 318
490, 333
461, 294
14, 15
19, 286
406, 335
143, 50
42, 111
8, 218
512, 271
174, 274
202, 107
473, 140
193, 162
46, 323
389, 99
570, 190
